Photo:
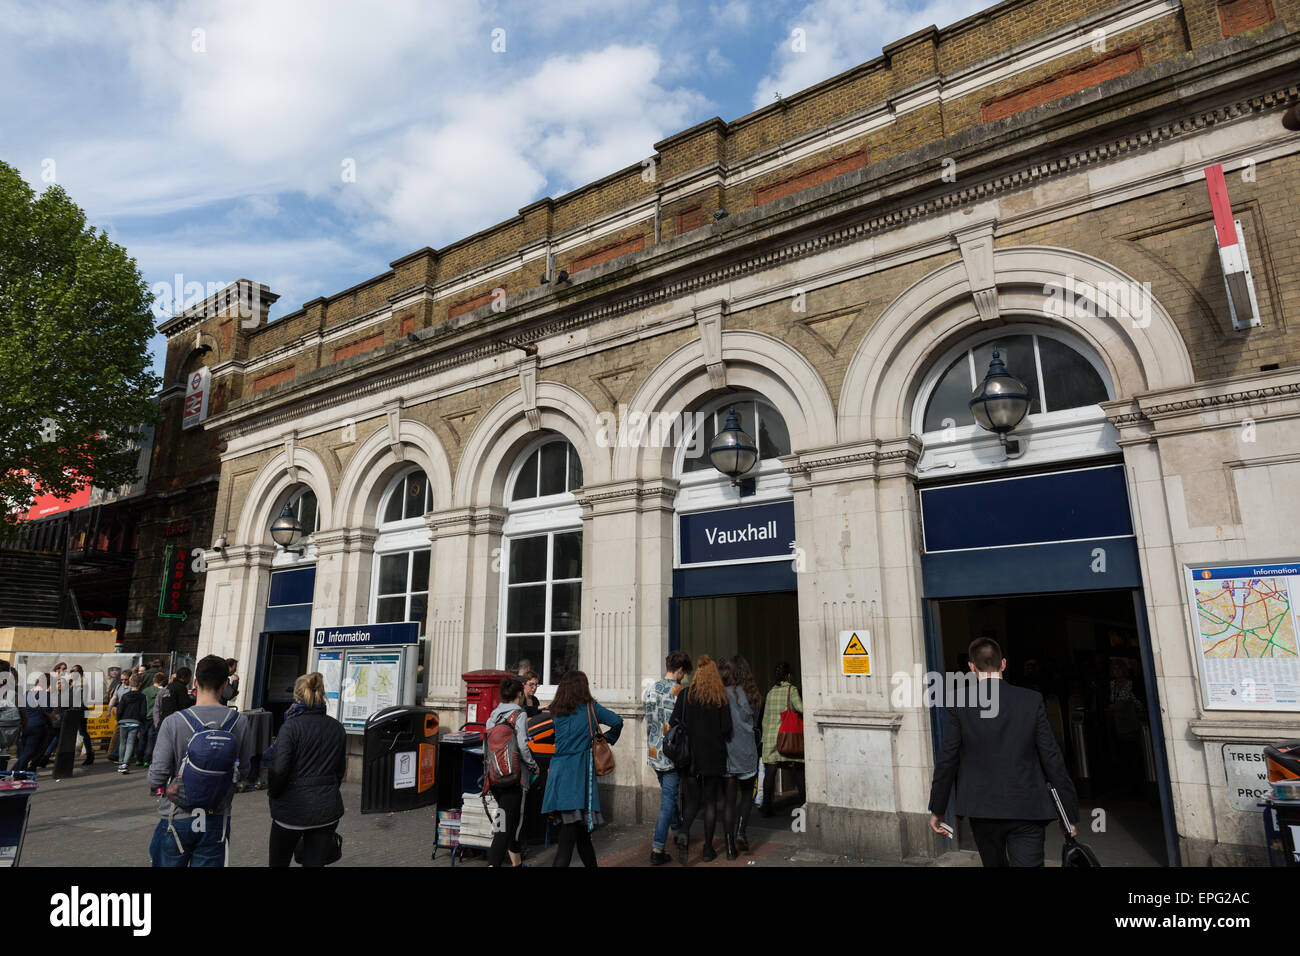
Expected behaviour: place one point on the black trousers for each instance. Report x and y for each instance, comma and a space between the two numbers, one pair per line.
317, 844
1009, 842
574, 835
510, 800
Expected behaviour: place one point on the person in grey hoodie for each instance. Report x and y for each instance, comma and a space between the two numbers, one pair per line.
510, 800
191, 837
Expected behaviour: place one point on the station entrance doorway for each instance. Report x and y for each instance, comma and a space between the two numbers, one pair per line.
751, 610
1082, 651
763, 628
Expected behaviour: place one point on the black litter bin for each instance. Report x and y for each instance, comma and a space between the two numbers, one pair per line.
400, 759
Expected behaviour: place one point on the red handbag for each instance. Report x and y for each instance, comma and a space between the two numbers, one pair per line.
789, 735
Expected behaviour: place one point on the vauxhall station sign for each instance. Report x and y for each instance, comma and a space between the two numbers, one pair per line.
737, 535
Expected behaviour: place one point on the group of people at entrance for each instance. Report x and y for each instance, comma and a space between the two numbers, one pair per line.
204, 749
710, 736
732, 734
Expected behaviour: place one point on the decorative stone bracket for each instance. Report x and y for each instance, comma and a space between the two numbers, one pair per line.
976, 245
393, 412
290, 464
709, 319
528, 385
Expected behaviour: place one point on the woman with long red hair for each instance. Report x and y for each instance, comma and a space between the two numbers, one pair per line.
704, 711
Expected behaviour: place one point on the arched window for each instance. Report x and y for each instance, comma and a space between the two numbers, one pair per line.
541, 599
1066, 384
409, 498
552, 469
400, 583
759, 420
701, 486
302, 505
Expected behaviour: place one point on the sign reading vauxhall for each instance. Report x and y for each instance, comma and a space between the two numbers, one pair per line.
368, 635
753, 533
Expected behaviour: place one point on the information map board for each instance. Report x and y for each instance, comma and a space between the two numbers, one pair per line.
367, 668
1246, 635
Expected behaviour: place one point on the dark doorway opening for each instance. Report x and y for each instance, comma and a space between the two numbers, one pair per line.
1082, 651
282, 660
764, 629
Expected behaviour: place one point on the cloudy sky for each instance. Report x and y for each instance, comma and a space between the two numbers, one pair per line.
306, 144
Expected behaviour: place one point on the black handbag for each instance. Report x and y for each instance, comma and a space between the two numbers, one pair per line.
1073, 853
336, 852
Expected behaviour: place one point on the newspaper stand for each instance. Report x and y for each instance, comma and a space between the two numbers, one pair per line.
16, 789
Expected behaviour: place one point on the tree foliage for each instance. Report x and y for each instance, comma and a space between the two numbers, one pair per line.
75, 324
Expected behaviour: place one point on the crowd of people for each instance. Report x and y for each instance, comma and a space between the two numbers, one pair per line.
730, 732
138, 699
730, 726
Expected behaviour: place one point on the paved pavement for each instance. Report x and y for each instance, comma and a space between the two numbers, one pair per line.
102, 818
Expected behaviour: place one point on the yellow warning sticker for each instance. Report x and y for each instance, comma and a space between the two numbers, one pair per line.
855, 658
857, 666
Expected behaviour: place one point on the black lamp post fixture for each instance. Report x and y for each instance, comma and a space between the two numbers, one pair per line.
734, 453
1000, 403
286, 530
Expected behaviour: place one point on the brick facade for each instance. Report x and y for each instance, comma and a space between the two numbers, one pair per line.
1064, 83
849, 263
1238, 16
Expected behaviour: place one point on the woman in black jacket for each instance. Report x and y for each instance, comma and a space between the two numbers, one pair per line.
704, 711
303, 784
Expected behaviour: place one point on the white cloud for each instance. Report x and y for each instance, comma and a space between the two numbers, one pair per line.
839, 34
573, 120
734, 14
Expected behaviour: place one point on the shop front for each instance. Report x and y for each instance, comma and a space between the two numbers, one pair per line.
523, 471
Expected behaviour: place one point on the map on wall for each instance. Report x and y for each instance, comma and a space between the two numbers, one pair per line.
371, 683
1246, 632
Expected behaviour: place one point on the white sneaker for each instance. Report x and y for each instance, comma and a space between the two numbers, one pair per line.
124, 769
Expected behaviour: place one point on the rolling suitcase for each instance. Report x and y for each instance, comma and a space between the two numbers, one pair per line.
1073, 853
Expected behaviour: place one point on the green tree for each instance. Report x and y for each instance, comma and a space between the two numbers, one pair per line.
75, 323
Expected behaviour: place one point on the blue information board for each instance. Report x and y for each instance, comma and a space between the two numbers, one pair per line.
753, 533
368, 635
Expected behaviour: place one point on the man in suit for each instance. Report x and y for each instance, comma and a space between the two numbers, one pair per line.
999, 753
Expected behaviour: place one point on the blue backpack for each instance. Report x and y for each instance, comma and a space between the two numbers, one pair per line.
209, 770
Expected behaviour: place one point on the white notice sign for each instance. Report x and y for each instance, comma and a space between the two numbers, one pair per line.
404, 770
1247, 775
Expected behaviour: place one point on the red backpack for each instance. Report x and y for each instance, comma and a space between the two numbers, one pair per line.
501, 754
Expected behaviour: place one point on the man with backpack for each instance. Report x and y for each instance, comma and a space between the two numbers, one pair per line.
201, 753
508, 769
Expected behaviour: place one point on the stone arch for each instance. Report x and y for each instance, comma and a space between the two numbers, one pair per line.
374, 463
491, 448
754, 361
269, 488
1142, 350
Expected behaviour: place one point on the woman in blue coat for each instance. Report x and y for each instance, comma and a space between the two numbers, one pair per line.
571, 797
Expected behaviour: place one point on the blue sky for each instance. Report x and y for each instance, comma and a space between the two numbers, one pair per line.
211, 138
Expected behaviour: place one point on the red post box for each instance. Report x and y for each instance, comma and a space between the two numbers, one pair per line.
482, 694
